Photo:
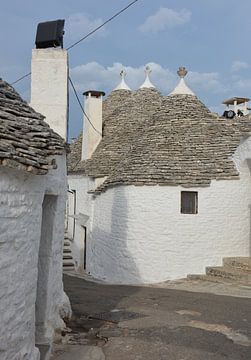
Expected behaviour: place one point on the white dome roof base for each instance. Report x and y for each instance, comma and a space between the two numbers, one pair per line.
147, 83
182, 87
122, 85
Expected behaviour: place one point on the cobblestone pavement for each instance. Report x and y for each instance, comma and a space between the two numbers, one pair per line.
134, 323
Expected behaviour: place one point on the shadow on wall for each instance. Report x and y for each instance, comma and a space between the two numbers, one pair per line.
250, 230
248, 162
113, 261
45, 256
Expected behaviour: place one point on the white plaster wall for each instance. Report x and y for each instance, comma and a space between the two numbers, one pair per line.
20, 229
71, 199
139, 235
84, 205
49, 87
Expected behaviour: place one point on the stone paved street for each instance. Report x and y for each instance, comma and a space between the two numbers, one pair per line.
134, 323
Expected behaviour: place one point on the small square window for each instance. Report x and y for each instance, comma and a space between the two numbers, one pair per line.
189, 202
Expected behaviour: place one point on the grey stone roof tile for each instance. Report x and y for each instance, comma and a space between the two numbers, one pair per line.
74, 155
26, 141
153, 140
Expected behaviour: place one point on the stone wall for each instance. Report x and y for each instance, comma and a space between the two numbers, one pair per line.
21, 208
140, 236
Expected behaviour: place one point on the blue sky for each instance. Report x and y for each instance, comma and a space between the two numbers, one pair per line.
210, 37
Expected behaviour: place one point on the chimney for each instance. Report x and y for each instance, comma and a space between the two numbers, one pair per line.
49, 87
92, 132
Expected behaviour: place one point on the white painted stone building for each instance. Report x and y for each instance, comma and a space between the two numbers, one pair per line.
165, 193
32, 212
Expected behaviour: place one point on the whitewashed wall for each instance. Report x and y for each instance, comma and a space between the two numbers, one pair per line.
91, 136
49, 87
138, 234
84, 205
20, 230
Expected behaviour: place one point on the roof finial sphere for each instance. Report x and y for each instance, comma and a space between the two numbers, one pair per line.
122, 73
122, 85
182, 87
147, 83
182, 72
148, 70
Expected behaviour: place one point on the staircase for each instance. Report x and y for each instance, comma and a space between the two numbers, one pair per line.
68, 262
234, 269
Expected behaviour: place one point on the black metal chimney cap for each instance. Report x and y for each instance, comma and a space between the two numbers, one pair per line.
50, 34
94, 93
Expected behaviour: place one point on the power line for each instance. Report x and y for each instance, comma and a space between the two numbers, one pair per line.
21, 78
102, 25
89, 34
83, 110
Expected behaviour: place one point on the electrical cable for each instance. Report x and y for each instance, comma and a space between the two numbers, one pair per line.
83, 110
21, 78
102, 25
86, 36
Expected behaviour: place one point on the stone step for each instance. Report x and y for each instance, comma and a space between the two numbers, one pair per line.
67, 262
204, 277
67, 257
67, 251
228, 273
238, 263
67, 242
68, 268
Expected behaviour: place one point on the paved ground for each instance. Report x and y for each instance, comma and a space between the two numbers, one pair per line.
150, 323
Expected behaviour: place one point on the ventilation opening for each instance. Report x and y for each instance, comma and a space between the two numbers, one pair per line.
44, 263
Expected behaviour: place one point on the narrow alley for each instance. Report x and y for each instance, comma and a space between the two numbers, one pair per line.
134, 323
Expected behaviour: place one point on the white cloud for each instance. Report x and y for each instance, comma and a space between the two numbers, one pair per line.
211, 87
244, 85
209, 82
239, 65
78, 25
165, 18
98, 77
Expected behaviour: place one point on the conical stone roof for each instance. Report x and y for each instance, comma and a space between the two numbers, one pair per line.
149, 139
26, 141
124, 117
75, 154
182, 144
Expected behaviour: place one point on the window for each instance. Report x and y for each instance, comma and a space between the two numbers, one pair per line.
189, 202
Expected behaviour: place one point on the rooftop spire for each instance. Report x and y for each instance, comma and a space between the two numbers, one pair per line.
182, 87
122, 85
147, 83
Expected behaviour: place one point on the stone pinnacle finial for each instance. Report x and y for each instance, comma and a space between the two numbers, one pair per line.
148, 70
122, 85
122, 74
182, 87
147, 83
182, 72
